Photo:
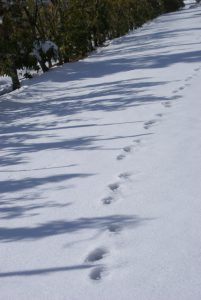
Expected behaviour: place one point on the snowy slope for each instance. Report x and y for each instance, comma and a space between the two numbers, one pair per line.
5, 85
100, 172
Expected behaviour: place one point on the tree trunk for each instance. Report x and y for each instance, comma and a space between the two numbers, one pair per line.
15, 79
43, 66
60, 58
49, 63
66, 59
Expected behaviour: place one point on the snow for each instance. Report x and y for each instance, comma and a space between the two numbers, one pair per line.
5, 84
100, 172
42, 47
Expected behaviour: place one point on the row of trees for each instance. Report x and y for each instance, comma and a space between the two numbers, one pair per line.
33, 33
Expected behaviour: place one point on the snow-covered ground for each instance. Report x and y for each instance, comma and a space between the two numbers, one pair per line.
100, 172
5, 84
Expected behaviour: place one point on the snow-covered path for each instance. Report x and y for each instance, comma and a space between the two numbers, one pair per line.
100, 172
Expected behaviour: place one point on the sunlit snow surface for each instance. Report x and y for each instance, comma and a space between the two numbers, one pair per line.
100, 171
5, 84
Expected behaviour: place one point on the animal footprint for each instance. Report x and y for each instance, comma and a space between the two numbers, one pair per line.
125, 175
114, 228
159, 115
96, 273
137, 141
114, 186
96, 255
120, 156
181, 88
188, 78
166, 104
127, 149
107, 200
148, 124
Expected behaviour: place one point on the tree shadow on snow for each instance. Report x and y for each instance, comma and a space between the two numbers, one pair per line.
47, 271
64, 227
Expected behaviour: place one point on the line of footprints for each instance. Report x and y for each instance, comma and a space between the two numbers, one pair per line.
187, 80
98, 254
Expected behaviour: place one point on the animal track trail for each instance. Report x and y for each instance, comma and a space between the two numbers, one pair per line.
149, 124
94, 256
113, 188
128, 149
181, 88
